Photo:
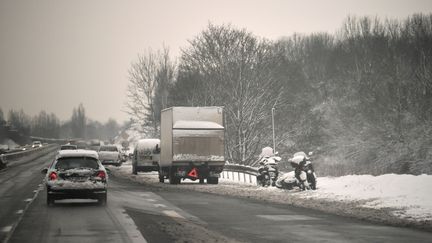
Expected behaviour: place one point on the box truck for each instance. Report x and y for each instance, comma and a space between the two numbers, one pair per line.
192, 144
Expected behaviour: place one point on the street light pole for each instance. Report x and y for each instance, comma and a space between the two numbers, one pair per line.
273, 126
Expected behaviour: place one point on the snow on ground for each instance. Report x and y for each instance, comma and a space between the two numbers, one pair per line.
393, 199
8, 144
410, 195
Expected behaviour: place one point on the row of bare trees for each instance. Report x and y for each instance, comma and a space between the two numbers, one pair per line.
362, 98
49, 125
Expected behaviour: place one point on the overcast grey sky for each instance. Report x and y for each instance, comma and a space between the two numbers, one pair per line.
56, 54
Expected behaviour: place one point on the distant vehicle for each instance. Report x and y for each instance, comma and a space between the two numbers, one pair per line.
81, 144
36, 144
192, 144
76, 174
146, 156
94, 144
68, 147
109, 155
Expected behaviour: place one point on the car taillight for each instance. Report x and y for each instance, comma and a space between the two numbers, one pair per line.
101, 174
53, 176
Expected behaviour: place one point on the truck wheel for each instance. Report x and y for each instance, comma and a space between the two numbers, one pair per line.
173, 180
134, 170
213, 180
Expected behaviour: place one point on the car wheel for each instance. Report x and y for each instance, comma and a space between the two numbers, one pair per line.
50, 199
102, 199
161, 179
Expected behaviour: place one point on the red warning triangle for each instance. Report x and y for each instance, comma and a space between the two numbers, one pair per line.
193, 173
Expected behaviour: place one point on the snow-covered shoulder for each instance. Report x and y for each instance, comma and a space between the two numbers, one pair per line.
410, 195
386, 198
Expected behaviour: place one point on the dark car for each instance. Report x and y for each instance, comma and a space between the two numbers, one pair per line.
76, 174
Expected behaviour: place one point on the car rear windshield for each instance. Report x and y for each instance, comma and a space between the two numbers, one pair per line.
68, 147
76, 162
109, 148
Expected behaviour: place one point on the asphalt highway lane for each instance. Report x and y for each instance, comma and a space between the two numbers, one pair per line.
20, 184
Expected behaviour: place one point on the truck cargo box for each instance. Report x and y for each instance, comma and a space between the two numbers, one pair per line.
192, 137
192, 134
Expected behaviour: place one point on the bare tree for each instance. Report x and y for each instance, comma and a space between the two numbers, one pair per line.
149, 80
78, 122
232, 68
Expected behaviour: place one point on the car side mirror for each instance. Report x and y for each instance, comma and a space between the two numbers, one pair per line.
44, 171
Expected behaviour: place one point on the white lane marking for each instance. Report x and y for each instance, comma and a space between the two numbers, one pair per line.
122, 219
20, 211
20, 217
285, 217
160, 205
172, 214
6, 229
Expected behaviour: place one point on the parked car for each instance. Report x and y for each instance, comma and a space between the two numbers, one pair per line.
36, 144
109, 155
76, 174
68, 147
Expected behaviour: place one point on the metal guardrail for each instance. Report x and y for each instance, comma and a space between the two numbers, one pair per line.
50, 140
240, 173
241, 168
15, 156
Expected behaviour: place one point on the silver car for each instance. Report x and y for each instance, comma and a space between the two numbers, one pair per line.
76, 174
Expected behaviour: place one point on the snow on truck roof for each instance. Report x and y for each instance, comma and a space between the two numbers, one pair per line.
148, 143
196, 125
77, 153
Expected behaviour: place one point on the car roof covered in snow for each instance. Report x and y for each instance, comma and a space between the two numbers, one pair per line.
77, 153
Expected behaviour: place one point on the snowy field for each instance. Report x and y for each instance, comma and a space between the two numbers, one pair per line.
393, 199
